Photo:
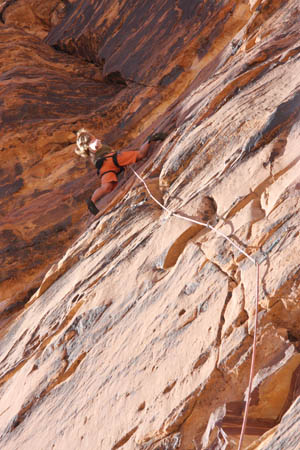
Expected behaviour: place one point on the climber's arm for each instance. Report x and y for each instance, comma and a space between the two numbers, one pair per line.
145, 147
142, 152
128, 157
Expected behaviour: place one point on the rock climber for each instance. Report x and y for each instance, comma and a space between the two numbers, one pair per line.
108, 162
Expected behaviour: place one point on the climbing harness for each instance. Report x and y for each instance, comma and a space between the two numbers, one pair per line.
257, 265
114, 157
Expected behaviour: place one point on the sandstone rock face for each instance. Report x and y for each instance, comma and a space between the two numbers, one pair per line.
135, 330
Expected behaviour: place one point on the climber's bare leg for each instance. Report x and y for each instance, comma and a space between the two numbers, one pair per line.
104, 189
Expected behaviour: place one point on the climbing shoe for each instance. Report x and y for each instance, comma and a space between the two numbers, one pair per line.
92, 207
157, 137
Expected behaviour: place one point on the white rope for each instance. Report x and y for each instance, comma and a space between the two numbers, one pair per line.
252, 360
194, 221
153, 198
179, 216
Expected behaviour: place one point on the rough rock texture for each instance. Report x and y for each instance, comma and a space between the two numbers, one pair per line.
139, 335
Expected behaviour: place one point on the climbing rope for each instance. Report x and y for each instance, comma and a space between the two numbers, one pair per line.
253, 358
179, 216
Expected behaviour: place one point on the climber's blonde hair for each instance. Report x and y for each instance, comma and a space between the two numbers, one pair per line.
83, 139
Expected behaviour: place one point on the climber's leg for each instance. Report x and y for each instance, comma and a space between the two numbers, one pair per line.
104, 189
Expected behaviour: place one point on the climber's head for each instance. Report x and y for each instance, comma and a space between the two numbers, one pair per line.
84, 138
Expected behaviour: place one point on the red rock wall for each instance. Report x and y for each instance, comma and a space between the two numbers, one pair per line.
135, 331
49, 94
